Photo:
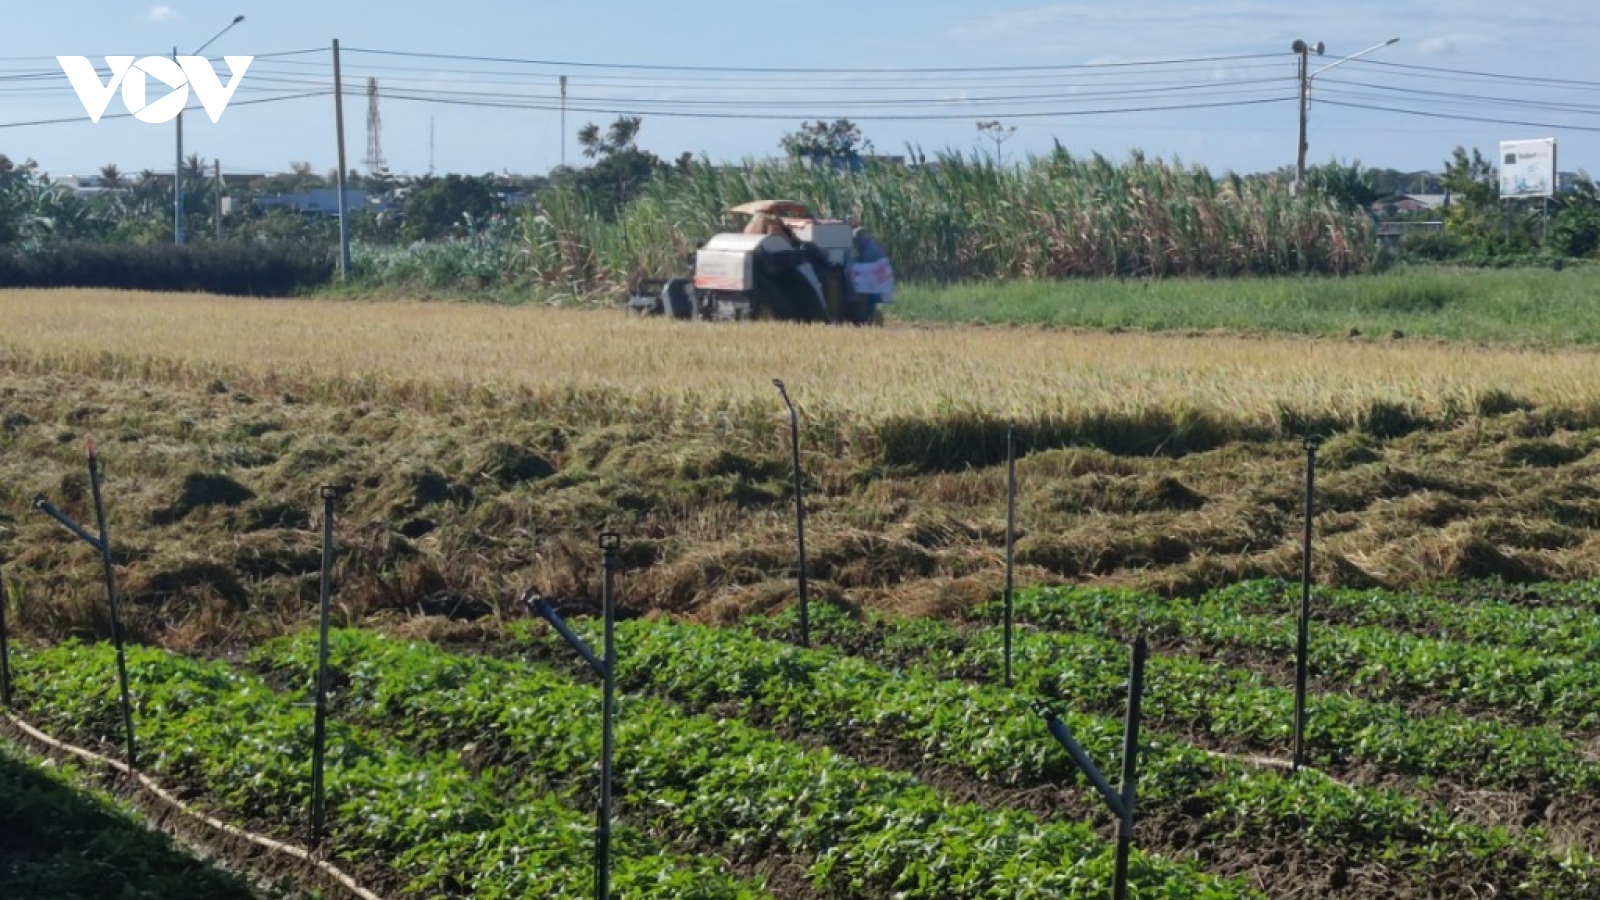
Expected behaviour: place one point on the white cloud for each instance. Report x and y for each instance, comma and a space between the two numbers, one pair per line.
163, 13
1447, 45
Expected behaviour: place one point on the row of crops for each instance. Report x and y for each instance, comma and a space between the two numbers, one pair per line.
888, 761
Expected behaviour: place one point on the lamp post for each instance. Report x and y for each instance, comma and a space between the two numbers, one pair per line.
177, 168
1304, 50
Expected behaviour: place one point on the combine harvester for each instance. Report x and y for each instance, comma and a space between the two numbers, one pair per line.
787, 265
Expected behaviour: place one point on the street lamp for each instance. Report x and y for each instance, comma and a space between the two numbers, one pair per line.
177, 169
1304, 50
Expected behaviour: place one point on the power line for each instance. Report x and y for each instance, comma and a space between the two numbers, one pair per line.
274, 55
867, 117
835, 103
1440, 115
1477, 74
568, 64
81, 118
854, 81
1474, 98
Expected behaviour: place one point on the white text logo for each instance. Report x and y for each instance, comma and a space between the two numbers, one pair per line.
132, 77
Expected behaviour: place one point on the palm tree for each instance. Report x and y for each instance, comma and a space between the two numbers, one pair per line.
111, 177
194, 167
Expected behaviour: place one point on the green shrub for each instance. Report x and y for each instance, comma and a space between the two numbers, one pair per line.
270, 270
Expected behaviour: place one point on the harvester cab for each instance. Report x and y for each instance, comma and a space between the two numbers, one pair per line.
786, 264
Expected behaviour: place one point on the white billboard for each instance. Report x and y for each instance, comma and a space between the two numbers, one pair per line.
1528, 168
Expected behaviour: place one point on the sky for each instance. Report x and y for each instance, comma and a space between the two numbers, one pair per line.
1026, 64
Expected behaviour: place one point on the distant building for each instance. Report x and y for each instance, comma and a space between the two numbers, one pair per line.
324, 202
1409, 203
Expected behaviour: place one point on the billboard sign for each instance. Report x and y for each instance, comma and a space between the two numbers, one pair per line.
1527, 168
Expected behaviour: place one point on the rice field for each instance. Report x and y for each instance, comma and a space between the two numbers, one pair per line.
447, 354
1160, 478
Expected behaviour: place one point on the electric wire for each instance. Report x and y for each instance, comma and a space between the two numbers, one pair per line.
799, 70
1537, 79
927, 117
80, 118
1441, 115
1476, 99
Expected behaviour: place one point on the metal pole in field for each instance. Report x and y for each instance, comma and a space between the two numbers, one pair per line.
1011, 536
5, 653
1130, 768
1303, 637
338, 115
319, 733
1122, 803
799, 513
602, 860
111, 595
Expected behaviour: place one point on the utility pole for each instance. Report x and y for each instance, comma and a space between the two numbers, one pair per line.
177, 177
218, 164
177, 167
338, 115
1303, 50
563, 121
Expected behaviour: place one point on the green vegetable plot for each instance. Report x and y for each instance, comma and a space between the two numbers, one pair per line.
1506, 682
1451, 742
991, 734
421, 824
866, 832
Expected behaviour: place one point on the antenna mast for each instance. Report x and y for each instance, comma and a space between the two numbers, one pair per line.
374, 160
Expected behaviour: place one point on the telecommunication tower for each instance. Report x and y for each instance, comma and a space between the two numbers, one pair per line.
374, 159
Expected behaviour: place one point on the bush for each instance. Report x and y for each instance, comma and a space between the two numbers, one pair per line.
265, 270
1432, 246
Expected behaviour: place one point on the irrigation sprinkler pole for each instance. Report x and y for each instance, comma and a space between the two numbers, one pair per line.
1124, 803
102, 543
5, 653
1303, 637
1011, 536
607, 670
1130, 767
111, 595
602, 851
319, 732
799, 512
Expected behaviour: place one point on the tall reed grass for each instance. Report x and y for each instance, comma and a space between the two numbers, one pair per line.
952, 219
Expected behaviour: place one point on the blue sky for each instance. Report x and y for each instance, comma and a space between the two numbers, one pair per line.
1555, 39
